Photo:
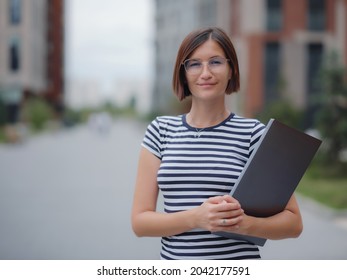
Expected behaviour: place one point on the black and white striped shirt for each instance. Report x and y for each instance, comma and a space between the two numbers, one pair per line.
196, 165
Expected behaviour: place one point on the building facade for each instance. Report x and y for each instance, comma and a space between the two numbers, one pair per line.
174, 20
31, 52
280, 45
283, 47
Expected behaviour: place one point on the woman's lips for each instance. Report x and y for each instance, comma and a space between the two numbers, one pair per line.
206, 84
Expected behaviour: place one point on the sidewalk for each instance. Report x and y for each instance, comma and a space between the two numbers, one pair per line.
338, 217
324, 236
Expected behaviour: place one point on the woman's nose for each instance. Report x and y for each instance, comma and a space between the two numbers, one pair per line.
205, 72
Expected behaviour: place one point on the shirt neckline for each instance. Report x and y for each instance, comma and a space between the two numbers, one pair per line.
185, 123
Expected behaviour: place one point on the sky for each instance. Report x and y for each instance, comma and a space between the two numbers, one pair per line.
108, 40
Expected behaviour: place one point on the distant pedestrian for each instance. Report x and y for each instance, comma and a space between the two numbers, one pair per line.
100, 122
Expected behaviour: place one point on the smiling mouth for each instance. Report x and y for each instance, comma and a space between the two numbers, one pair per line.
206, 85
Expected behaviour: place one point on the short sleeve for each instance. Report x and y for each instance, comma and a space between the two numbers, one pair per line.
257, 132
152, 139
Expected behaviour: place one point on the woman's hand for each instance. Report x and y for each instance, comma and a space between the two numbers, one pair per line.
218, 214
286, 224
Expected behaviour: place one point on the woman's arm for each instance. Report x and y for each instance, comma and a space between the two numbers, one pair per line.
286, 224
147, 222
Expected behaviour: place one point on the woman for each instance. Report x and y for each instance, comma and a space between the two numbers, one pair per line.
195, 159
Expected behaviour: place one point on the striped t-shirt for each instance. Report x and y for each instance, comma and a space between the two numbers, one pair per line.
195, 165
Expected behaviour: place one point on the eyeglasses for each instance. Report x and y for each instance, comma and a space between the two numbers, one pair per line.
195, 66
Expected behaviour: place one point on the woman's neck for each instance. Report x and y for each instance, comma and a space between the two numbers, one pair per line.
206, 116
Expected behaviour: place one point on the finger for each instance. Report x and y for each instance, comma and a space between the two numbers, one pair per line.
215, 199
229, 215
229, 198
230, 222
226, 225
228, 206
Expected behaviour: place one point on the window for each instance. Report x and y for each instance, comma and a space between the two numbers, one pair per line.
314, 63
316, 15
15, 11
272, 72
274, 15
14, 55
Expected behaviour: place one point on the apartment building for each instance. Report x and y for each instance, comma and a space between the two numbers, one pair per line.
280, 44
31, 52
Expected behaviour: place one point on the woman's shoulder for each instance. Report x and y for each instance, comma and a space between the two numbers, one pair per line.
167, 120
247, 121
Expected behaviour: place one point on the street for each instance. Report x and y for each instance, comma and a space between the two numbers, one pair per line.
67, 194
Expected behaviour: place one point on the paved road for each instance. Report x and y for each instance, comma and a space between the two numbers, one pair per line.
67, 195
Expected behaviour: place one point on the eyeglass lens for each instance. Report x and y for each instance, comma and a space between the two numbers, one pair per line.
214, 64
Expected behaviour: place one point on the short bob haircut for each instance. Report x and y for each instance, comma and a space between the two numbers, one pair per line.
189, 45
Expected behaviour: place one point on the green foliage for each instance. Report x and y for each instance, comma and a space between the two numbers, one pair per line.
325, 184
2, 113
331, 117
71, 117
37, 112
282, 111
330, 192
2, 135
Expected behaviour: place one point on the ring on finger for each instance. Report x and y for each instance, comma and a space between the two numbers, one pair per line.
223, 222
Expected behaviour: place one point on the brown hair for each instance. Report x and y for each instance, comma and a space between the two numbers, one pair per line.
189, 45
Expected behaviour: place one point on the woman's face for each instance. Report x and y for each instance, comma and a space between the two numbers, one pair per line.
211, 71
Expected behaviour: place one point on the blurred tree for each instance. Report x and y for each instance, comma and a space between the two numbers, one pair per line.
280, 107
331, 116
2, 113
283, 111
37, 112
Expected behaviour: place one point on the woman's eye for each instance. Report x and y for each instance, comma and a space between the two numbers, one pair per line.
215, 62
194, 64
